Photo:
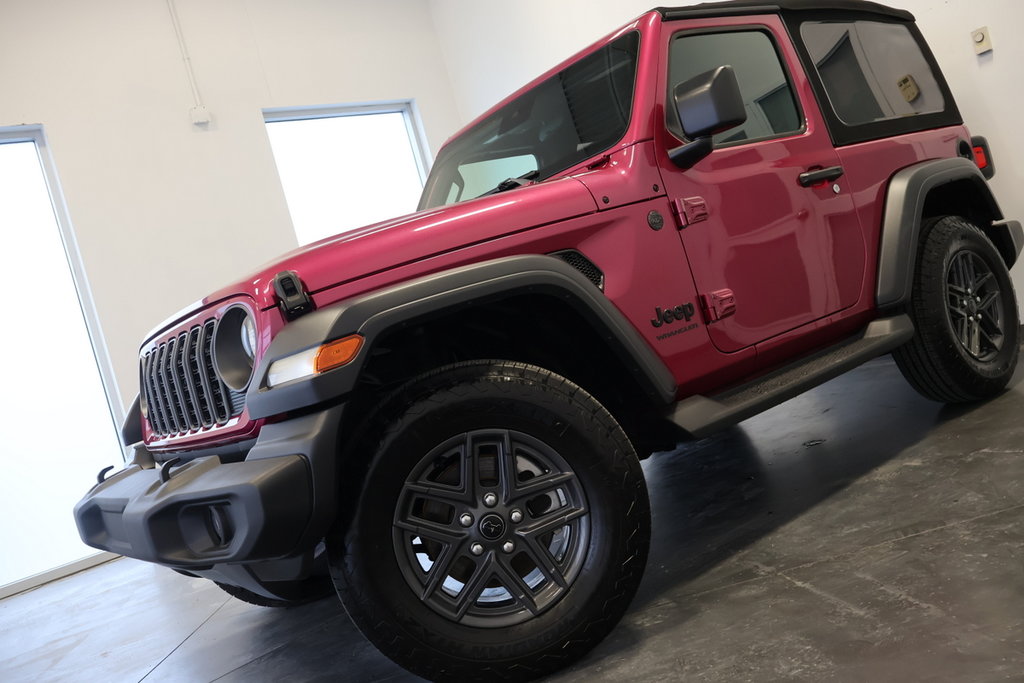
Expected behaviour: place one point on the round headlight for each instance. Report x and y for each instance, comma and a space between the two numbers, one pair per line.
234, 347
143, 403
249, 337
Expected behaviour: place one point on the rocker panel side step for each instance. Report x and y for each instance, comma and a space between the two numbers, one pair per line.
701, 416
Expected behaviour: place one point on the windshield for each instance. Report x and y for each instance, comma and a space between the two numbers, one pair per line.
577, 113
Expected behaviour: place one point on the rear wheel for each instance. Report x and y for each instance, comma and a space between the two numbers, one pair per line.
502, 526
965, 312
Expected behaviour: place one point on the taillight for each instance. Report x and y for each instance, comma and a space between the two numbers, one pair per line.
981, 157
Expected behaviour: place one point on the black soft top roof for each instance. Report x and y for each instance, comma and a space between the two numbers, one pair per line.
734, 7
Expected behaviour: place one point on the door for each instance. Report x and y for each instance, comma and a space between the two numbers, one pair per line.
789, 251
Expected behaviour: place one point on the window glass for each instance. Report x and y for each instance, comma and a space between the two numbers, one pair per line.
56, 424
345, 171
767, 94
480, 176
872, 71
577, 113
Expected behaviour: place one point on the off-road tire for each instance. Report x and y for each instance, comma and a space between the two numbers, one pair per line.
531, 405
937, 362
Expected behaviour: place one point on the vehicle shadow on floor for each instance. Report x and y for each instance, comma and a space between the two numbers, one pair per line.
711, 500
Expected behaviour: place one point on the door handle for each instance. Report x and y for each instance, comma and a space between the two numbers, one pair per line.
821, 175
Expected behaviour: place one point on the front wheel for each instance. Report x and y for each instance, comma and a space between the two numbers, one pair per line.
965, 312
502, 526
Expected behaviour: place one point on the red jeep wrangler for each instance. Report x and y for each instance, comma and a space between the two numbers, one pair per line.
702, 215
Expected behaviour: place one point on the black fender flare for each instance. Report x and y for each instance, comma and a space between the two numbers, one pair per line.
402, 305
907, 193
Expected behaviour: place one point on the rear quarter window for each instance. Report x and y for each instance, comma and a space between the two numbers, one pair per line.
872, 71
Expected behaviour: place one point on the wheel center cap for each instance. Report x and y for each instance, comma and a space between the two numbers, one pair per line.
492, 527
972, 306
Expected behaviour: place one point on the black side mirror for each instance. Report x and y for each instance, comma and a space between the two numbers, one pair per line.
707, 104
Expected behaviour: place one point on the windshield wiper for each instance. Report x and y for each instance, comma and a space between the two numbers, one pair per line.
512, 183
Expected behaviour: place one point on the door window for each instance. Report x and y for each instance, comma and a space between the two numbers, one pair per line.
767, 92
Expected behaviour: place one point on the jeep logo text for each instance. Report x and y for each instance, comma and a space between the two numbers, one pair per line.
670, 315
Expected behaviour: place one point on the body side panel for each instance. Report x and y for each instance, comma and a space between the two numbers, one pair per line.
792, 255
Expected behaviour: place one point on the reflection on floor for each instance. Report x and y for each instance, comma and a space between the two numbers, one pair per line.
857, 533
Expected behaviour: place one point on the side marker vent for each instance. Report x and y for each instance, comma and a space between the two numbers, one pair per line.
582, 264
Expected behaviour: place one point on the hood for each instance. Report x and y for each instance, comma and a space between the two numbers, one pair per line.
400, 241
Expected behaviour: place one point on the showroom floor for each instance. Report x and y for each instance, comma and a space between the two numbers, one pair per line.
857, 533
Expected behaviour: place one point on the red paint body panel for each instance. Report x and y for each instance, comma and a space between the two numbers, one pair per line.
626, 176
420, 237
870, 165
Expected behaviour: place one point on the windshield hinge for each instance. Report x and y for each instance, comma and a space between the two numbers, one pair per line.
600, 161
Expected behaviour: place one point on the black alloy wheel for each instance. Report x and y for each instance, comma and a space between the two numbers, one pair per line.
500, 529
491, 528
965, 315
975, 306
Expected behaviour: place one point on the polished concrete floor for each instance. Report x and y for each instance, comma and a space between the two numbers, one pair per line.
857, 533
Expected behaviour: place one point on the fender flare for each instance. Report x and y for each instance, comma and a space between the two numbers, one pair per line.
376, 313
901, 224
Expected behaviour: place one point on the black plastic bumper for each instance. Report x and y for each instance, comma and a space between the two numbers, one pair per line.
276, 503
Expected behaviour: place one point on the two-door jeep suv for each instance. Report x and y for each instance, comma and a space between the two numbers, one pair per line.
705, 213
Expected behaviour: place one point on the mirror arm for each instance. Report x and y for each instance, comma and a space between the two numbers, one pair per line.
686, 156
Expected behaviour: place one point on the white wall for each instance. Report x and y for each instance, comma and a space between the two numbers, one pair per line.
165, 211
492, 48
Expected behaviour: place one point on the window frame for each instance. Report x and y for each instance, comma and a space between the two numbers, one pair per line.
843, 133
410, 112
533, 86
35, 133
671, 122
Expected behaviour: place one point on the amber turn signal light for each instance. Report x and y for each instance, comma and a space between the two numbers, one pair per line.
337, 353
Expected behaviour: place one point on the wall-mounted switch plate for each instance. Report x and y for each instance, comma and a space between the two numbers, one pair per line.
200, 115
982, 40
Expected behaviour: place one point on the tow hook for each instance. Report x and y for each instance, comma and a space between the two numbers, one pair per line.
102, 476
165, 470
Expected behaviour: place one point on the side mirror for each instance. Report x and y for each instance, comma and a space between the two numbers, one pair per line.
707, 104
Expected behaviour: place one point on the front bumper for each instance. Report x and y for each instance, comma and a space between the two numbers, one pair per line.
276, 503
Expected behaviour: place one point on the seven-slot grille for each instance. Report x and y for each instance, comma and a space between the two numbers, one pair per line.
182, 389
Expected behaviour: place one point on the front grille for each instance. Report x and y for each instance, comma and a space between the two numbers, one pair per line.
183, 392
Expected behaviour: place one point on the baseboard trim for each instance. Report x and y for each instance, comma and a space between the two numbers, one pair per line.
56, 573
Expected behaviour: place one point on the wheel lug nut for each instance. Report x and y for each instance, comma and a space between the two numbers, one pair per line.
516, 516
490, 500
466, 519
476, 549
508, 546
978, 299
